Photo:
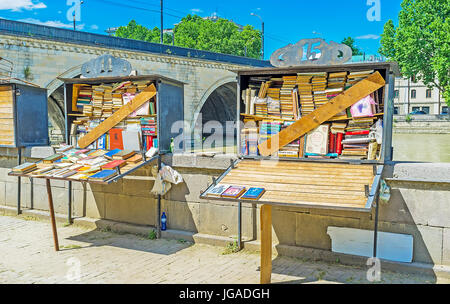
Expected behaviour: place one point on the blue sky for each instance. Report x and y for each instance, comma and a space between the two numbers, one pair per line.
285, 21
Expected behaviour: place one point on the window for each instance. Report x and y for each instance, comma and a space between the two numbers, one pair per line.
396, 93
414, 79
444, 110
429, 92
426, 109
395, 110
413, 94
416, 109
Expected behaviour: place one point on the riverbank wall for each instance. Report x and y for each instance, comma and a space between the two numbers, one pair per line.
422, 124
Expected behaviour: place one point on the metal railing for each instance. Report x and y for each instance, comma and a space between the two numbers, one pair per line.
6, 69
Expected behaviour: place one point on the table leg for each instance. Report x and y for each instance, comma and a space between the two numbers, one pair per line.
52, 214
266, 244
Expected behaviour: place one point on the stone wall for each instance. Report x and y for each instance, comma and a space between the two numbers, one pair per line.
419, 206
422, 124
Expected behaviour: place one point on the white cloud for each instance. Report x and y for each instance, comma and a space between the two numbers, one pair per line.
94, 27
52, 23
196, 11
369, 36
19, 5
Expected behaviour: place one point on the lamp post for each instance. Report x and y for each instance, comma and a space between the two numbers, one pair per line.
162, 23
262, 31
74, 17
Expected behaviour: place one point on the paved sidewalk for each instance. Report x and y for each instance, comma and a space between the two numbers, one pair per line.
27, 256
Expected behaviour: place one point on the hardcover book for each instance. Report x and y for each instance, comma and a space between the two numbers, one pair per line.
116, 140
24, 168
114, 164
317, 140
253, 194
52, 159
218, 190
233, 192
103, 175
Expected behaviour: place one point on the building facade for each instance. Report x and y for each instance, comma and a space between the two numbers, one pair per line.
411, 96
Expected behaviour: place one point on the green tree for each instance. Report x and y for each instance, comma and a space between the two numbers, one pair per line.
221, 36
351, 43
421, 42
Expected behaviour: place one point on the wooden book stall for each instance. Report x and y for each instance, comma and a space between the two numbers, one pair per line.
311, 137
114, 126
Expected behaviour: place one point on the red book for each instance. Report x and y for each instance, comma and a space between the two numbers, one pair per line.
332, 146
115, 139
114, 164
358, 133
339, 139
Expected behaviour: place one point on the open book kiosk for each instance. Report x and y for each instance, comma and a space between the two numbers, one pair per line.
310, 137
114, 126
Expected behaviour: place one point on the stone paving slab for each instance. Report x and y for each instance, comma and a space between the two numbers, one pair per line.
94, 256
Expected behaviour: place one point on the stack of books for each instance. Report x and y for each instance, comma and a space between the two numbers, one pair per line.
286, 97
84, 96
319, 85
357, 138
149, 132
261, 107
249, 141
25, 168
267, 129
291, 150
355, 77
305, 93
337, 132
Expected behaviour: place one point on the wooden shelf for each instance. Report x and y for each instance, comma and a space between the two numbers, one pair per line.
259, 117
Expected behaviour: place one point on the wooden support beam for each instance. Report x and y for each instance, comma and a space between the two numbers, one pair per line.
322, 114
266, 244
118, 116
52, 214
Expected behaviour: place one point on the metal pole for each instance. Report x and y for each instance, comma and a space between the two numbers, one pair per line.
375, 234
239, 226
263, 40
158, 207
162, 23
69, 205
19, 182
32, 193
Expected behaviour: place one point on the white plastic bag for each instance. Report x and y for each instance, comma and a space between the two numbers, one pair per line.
170, 175
160, 187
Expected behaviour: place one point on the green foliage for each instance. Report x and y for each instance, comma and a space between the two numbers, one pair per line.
351, 43
221, 36
152, 235
408, 118
421, 42
231, 248
27, 73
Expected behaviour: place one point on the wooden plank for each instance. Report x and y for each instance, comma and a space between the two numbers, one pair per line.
7, 133
7, 116
5, 88
350, 189
6, 110
295, 164
322, 114
297, 180
315, 197
266, 244
304, 173
6, 143
118, 116
306, 204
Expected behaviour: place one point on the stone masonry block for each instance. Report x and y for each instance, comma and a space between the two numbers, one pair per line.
446, 249
181, 215
89, 204
130, 209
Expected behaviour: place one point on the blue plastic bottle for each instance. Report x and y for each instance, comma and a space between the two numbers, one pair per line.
163, 222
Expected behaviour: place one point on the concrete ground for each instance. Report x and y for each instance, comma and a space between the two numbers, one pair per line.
93, 256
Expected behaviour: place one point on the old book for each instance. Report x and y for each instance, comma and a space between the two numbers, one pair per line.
218, 190
125, 154
131, 140
25, 168
233, 192
253, 194
115, 164
103, 175
317, 140
52, 159
135, 159
116, 140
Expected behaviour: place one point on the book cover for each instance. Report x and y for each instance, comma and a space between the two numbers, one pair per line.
103, 175
112, 153
253, 194
317, 140
52, 158
233, 192
24, 167
115, 139
131, 140
114, 164
218, 190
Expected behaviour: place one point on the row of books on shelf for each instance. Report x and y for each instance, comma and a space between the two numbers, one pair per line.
101, 101
354, 140
82, 164
291, 97
236, 192
136, 134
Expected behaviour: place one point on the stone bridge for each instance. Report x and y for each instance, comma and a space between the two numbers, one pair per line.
41, 54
